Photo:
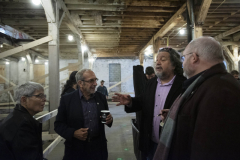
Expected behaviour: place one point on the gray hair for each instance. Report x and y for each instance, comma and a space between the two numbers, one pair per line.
208, 48
26, 89
79, 75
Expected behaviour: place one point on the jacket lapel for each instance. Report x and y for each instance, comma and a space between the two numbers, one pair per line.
175, 86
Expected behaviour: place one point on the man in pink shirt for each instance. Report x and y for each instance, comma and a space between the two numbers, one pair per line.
160, 93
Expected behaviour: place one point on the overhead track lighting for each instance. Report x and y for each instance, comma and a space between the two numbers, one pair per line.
182, 31
70, 37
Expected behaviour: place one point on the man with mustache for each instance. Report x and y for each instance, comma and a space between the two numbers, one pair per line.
78, 120
203, 123
160, 93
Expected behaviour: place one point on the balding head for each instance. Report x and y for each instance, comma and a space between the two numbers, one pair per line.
208, 48
201, 54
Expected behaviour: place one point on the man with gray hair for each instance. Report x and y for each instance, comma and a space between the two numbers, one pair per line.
20, 133
202, 123
78, 120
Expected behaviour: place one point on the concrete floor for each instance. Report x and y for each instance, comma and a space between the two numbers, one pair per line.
119, 136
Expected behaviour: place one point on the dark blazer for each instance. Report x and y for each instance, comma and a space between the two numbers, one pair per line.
20, 136
70, 118
208, 121
146, 101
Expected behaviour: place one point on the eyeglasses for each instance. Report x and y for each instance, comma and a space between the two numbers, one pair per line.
167, 49
91, 80
41, 96
183, 56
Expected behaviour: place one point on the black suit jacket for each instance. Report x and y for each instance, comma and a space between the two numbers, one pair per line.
20, 136
145, 103
70, 118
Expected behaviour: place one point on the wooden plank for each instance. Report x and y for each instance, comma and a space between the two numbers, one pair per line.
202, 14
25, 46
227, 33
76, 19
2, 73
39, 70
167, 27
98, 20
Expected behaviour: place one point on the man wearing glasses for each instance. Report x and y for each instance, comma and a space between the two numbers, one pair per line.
160, 93
78, 120
203, 123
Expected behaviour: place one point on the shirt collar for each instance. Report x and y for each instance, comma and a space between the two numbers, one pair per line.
166, 84
81, 95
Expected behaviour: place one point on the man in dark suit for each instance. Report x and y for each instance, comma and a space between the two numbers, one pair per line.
203, 122
78, 120
160, 93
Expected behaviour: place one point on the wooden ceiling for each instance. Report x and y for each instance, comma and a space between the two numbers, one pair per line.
119, 28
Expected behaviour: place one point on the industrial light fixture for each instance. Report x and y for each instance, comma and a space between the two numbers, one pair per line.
36, 2
46, 63
70, 37
6, 62
1, 45
182, 31
36, 61
23, 59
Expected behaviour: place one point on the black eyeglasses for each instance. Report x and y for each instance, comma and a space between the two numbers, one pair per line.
167, 49
41, 96
183, 56
91, 80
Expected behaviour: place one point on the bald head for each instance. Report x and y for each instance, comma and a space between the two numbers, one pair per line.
207, 48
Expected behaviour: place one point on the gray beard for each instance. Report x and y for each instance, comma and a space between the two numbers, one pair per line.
161, 76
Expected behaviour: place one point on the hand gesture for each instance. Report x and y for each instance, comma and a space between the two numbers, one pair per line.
123, 99
109, 119
163, 114
81, 134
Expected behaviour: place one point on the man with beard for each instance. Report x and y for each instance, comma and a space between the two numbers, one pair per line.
203, 121
160, 93
78, 120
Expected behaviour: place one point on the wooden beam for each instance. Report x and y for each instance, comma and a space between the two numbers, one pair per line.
25, 47
76, 19
202, 14
167, 27
98, 20
227, 33
229, 43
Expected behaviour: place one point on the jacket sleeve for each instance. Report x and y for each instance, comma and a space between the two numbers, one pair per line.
60, 125
216, 134
25, 144
137, 104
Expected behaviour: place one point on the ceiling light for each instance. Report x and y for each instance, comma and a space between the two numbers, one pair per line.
6, 62
84, 48
1, 45
91, 59
70, 37
182, 31
36, 2
46, 63
23, 59
36, 61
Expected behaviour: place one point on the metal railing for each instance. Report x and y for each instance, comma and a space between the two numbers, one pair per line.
45, 118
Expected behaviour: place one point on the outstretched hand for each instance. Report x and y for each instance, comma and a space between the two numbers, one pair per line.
123, 99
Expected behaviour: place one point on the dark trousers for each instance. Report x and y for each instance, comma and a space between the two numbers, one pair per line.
150, 154
94, 150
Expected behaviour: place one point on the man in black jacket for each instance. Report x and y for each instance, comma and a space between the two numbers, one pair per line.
20, 133
160, 93
78, 120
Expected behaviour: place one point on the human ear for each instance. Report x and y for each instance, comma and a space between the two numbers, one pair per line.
23, 100
195, 57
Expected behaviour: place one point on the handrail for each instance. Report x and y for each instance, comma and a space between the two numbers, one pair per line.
47, 116
51, 146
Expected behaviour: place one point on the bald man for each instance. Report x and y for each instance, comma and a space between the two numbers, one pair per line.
203, 123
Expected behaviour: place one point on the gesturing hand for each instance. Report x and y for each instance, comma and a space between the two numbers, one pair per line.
81, 134
123, 99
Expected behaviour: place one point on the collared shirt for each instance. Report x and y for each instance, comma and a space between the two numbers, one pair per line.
90, 114
160, 98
